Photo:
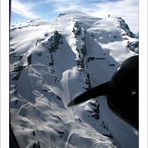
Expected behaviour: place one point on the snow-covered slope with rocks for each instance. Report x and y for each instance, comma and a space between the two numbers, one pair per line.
53, 62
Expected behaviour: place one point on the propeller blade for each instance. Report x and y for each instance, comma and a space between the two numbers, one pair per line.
99, 90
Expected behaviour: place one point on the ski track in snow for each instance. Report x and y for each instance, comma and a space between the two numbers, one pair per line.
23, 106
66, 99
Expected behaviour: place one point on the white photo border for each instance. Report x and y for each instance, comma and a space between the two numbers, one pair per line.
4, 74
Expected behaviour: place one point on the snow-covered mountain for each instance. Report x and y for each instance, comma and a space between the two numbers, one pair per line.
53, 62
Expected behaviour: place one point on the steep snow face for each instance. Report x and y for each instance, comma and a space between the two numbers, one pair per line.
53, 62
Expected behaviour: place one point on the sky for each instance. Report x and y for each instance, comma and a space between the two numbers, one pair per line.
24, 10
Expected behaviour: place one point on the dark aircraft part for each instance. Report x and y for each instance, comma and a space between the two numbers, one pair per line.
123, 100
122, 92
92, 93
13, 142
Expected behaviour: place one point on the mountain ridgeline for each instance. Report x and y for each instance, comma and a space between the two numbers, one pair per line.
53, 62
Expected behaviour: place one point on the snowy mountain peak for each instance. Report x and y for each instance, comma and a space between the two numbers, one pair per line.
125, 27
53, 62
